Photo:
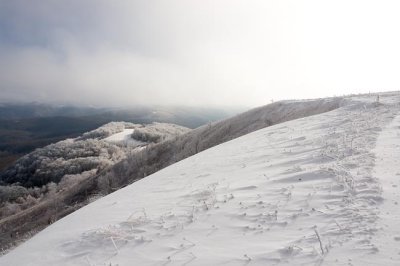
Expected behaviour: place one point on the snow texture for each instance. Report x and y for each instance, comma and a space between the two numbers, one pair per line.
321, 190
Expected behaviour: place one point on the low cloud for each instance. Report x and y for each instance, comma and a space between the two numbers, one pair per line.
194, 52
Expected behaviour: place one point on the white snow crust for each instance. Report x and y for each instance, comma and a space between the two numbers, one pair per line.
321, 190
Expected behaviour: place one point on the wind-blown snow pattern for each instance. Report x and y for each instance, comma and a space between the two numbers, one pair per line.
312, 191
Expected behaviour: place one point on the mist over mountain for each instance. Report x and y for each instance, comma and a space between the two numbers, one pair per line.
190, 115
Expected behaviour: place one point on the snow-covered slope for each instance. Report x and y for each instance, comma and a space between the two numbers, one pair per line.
304, 192
124, 137
120, 136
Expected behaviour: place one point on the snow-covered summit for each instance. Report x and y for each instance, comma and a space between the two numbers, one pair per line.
320, 190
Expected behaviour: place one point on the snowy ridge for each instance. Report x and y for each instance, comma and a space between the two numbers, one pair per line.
304, 192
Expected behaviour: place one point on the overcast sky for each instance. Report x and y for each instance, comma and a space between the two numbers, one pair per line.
196, 52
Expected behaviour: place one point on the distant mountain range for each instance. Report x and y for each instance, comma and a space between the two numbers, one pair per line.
187, 116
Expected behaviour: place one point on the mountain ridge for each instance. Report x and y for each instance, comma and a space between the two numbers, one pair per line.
295, 193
